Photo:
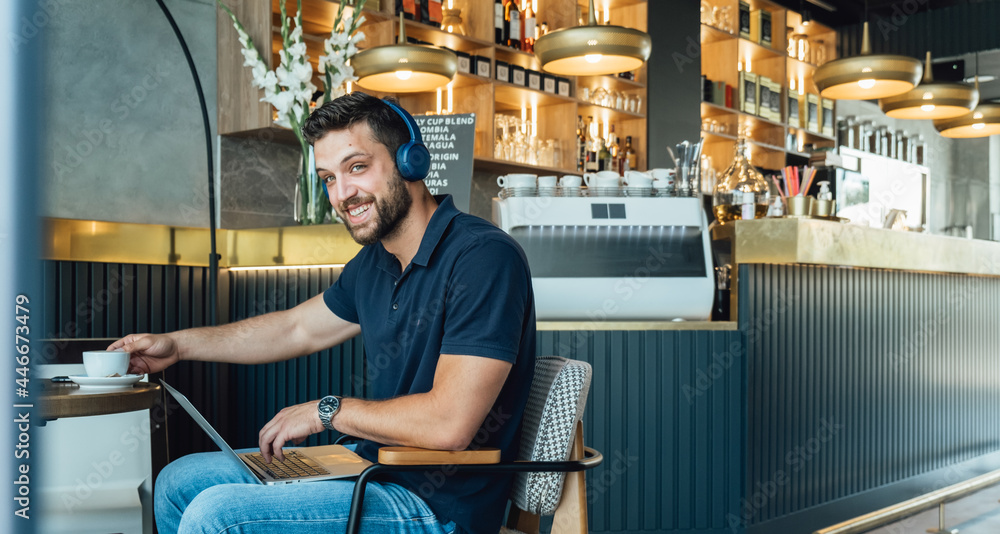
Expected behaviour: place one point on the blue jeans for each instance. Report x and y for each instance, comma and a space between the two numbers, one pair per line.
208, 493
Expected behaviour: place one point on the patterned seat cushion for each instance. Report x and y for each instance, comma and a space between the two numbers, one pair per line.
555, 405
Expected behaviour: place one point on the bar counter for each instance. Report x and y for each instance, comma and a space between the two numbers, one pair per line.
821, 242
859, 370
871, 367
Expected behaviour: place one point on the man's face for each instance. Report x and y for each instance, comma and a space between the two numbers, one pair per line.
364, 186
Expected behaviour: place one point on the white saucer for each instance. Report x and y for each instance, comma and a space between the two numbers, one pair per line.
105, 382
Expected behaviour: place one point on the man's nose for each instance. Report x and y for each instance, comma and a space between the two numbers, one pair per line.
342, 190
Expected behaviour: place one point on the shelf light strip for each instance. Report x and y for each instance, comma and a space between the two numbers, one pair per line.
288, 267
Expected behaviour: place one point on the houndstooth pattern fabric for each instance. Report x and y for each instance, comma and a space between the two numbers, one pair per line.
555, 405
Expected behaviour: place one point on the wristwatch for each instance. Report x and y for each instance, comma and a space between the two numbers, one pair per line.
328, 407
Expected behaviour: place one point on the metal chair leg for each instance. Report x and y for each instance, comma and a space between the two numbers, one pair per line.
941, 528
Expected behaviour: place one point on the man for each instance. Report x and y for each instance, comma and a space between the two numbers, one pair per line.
450, 291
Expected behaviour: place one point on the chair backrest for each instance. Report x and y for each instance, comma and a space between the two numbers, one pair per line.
555, 405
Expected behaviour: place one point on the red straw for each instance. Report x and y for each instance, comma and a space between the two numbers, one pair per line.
778, 187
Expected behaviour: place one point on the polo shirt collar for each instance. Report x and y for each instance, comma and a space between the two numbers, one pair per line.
445, 212
440, 219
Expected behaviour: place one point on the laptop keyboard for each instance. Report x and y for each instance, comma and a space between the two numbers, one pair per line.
294, 466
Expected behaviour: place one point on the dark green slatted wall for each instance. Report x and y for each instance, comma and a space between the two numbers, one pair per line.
666, 410
665, 407
109, 300
263, 390
866, 378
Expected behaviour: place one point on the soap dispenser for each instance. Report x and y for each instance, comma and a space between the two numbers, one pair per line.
824, 205
824, 191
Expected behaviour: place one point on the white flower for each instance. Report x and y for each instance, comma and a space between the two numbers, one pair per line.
298, 50
281, 101
250, 57
259, 71
302, 72
269, 83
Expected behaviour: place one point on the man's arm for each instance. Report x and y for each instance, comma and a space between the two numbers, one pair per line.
446, 417
304, 329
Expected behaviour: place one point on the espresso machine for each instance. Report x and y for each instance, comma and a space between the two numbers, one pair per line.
613, 258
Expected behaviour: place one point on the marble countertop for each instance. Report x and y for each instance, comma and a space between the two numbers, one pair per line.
820, 242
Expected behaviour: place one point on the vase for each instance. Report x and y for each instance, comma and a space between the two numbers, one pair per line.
312, 204
741, 192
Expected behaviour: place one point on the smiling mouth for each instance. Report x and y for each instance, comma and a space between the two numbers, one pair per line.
358, 210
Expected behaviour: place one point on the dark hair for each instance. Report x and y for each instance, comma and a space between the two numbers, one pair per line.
341, 113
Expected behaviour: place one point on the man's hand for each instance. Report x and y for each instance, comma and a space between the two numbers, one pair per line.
293, 424
151, 353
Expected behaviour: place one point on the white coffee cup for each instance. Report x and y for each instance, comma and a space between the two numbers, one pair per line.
663, 185
638, 179
547, 181
661, 174
571, 181
103, 363
602, 179
517, 180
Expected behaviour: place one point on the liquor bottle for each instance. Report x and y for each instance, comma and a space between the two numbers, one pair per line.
434, 13
408, 8
630, 157
528, 28
603, 155
581, 144
499, 31
614, 152
590, 165
512, 19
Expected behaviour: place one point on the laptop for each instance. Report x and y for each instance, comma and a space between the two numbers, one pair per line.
303, 464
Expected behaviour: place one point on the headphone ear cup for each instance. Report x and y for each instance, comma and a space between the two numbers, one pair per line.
413, 161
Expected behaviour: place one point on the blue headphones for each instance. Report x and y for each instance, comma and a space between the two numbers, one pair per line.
412, 158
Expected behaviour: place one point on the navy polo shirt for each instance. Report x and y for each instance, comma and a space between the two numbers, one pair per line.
467, 291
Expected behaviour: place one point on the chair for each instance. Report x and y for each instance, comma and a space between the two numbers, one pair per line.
550, 464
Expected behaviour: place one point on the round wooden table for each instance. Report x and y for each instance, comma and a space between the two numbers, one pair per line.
61, 399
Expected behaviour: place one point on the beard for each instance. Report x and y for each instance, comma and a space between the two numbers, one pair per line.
389, 211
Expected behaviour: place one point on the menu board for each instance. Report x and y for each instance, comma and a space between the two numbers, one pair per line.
450, 140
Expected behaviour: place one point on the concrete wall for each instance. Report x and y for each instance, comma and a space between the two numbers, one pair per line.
125, 139
959, 172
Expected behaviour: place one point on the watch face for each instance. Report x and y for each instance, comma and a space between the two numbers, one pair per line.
329, 405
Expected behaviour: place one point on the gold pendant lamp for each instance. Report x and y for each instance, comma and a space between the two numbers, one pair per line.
592, 49
867, 76
983, 121
403, 67
931, 100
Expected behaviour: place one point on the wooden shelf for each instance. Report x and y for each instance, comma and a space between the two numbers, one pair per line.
318, 15
504, 166
586, 108
439, 37
806, 137
711, 34
757, 51
720, 135
814, 29
722, 56
712, 110
514, 96
241, 113
516, 57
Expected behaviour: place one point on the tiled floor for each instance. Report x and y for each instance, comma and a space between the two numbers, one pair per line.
978, 513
